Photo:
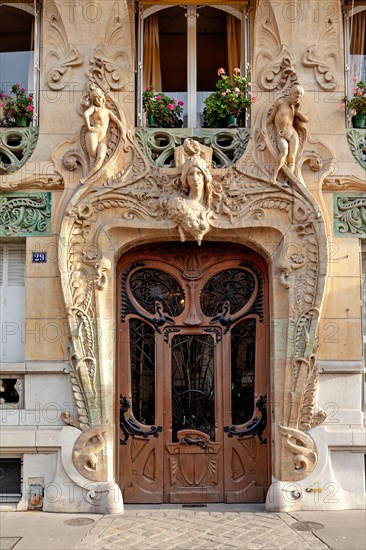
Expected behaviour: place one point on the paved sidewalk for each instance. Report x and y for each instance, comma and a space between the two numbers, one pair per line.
183, 529
175, 527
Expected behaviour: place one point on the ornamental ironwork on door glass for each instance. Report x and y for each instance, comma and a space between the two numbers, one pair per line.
154, 289
242, 371
231, 301
142, 364
193, 384
233, 286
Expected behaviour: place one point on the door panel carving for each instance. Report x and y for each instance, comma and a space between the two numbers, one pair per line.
194, 469
192, 356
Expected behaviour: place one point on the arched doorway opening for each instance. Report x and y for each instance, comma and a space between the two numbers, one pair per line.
193, 373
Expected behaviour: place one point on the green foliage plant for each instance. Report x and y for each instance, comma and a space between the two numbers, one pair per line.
165, 110
231, 97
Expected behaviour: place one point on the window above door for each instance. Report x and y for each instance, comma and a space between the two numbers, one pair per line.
181, 48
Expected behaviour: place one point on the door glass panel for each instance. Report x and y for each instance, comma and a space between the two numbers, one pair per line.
142, 361
233, 285
242, 371
193, 397
150, 287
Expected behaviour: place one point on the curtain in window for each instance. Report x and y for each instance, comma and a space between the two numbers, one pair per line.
358, 31
31, 82
233, 26
152, 69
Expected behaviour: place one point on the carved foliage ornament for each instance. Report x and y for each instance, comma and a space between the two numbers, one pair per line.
357, 142
25, 214
350, 216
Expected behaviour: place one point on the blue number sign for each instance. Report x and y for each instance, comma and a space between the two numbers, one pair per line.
39, 257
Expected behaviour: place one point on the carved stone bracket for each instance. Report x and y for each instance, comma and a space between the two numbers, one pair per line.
25, 214
350, 216
343, 183
357, 142
159, 144
16, 147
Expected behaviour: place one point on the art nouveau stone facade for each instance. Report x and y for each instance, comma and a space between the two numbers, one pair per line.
307, 223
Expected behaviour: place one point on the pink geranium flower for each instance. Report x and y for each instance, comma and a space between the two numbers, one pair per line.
171, 106
236, 70
159, 97
221, 71
180, 102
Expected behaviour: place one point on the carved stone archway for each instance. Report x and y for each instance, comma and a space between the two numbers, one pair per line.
282, 221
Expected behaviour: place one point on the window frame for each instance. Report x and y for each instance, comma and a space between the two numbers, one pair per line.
34, 9
146, 11
348, 14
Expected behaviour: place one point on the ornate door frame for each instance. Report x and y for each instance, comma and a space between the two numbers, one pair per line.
281, 220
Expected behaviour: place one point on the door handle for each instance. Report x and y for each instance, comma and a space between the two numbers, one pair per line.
188, 440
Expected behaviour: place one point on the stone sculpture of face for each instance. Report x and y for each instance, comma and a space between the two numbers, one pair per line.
98, 99
196, 182
296, 95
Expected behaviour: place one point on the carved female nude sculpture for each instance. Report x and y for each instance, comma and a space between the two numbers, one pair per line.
286, 116
97, 118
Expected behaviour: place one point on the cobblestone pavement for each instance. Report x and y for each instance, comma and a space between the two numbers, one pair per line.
179, 528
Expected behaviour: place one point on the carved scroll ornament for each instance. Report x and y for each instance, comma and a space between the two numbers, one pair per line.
16, 147
87, 454
322, 56
62, 55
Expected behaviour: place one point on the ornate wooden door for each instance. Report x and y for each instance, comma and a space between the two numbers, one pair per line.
192, 374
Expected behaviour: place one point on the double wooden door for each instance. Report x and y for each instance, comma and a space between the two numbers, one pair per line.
192, 374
